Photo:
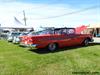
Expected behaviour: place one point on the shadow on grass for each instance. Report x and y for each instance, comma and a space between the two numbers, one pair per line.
45, 51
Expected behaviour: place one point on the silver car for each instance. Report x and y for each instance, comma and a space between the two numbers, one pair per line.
12, 35
16, 39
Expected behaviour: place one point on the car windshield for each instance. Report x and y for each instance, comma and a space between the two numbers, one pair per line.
24, 33
15, 34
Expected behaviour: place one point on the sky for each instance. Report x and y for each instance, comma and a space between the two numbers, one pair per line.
50, 13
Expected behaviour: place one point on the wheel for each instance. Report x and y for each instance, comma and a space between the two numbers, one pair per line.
86, 42
52, 46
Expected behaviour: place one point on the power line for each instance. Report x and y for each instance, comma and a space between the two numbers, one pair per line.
74, 12
42, 6
46, 4
38, 7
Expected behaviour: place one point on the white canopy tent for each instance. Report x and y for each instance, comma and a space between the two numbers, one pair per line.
93, 29
15, 24
97, 25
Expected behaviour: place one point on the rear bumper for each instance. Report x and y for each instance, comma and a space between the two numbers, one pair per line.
32, 45
28, 45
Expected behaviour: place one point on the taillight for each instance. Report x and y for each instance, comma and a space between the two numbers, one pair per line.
30, 41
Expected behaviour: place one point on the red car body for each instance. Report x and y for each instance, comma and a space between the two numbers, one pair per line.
58, 37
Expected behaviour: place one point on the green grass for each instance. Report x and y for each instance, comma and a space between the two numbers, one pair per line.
15, 60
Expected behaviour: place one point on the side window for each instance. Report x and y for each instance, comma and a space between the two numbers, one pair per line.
70, 31
64, 31
58, 32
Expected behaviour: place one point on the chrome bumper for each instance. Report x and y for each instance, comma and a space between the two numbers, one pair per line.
28, 45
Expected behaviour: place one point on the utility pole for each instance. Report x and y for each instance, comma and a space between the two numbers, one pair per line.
24, 17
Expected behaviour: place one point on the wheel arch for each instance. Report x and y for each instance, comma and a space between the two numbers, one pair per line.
57, 45
87, 38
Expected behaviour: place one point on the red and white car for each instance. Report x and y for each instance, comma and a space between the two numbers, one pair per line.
55, 38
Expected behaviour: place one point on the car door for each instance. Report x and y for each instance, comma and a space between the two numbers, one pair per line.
67, 36
70, 38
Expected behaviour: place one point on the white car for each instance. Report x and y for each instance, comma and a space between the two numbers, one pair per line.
12, 35
16, 39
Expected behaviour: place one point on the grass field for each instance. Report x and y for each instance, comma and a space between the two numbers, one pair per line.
15, 60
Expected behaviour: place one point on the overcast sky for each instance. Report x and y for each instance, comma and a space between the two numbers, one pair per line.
52, 13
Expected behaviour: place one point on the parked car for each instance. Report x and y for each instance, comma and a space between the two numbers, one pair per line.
56, 38
16, 39
98, 35
12, 35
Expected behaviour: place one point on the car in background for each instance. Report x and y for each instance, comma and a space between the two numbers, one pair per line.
16, 38
12, 35
98, 35
53, 39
